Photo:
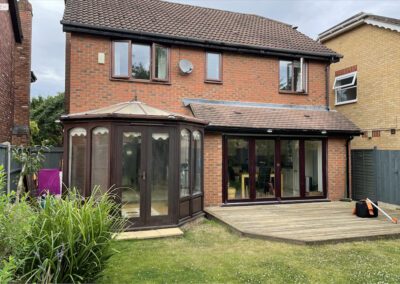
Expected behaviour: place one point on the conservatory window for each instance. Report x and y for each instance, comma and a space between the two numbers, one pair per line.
198, 163
77, 154
100, 158
184, 171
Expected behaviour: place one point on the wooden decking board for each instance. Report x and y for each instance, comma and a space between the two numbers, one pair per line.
310, 223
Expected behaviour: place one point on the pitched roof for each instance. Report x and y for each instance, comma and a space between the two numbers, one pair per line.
191, 24
296, 119
357, 20
132, 110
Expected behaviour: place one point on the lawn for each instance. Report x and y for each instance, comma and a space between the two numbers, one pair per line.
210, 253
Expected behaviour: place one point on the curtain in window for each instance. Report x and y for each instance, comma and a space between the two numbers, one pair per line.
184, 173
77, 153
161, 63
198, 162
100, 159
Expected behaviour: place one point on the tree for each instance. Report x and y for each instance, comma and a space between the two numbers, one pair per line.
45, 115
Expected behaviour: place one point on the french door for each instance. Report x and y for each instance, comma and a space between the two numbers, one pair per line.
273, 168
143, 166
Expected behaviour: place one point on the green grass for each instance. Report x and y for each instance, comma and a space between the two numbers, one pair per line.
210, 253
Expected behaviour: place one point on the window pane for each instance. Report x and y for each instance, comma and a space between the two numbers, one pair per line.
121, 59
238, 169
344, 95
184, 171
198, 162
77, 154
344, 81
131, 157
161, 64
141, 61
159, 166
100, 158
265, 168
213, 66
313, 168
290, 171
285, 75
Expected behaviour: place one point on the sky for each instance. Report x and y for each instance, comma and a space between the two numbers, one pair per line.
311, 17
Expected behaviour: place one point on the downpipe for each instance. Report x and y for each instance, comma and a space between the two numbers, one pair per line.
348, 140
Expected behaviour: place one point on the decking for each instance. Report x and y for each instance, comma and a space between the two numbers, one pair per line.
306, 223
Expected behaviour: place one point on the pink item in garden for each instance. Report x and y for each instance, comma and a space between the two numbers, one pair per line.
49, 181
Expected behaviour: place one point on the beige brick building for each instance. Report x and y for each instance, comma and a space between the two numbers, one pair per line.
370, 46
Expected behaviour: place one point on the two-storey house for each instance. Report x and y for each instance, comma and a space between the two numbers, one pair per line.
179, 107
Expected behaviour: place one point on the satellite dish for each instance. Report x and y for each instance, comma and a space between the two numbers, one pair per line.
185, 66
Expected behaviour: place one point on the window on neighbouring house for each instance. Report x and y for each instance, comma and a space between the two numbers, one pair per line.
292, 76
147, 62
120, 59
213, 67
345, 87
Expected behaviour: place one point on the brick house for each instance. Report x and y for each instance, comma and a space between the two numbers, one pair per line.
369, 92
180, 107
15, 70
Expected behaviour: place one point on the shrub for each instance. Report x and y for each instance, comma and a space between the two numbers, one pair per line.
3, 178
70, 240
8, 270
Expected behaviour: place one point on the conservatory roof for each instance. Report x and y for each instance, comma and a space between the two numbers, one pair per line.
131, 109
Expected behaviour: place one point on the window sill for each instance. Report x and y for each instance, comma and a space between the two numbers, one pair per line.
140, 81
346, 103
213, 82
293, 93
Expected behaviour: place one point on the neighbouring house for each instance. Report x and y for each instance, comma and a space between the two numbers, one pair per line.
15, 70
364, 85
180, 107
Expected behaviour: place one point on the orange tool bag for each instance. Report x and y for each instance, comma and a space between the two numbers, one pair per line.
364, 209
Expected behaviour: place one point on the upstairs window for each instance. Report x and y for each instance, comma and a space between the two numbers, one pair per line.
345, 87
293, 76
141, 62
213, 67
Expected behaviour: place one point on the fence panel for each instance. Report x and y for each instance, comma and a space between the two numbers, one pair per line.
53, 158
363, 174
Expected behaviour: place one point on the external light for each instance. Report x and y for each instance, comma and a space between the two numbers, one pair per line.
323, 132
269, 130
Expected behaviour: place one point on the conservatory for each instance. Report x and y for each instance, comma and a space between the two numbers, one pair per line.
149, 159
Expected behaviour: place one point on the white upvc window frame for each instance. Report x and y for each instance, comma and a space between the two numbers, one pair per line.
346, 86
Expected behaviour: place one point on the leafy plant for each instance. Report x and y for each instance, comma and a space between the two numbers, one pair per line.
45, 112
70, 239
8, 270
3, 178
31, 159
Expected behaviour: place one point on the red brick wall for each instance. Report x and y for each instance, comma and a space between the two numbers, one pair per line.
22, 61
246, 78
336, 168
7, 43
212, 169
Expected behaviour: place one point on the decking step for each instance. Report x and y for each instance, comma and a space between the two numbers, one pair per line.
149, 234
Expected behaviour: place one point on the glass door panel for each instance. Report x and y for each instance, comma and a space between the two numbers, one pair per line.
290, 168
313, 168
265, 169
159, 173
130, 184
238, 168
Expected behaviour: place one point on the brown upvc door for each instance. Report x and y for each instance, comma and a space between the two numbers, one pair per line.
143, 167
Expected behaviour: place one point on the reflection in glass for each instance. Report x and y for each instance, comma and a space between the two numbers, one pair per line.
131, 157
197, 162
285, 75
265, 171
238, 169
100, 158
159, 167
121, 59
290, 175
77, 154
213, 66
161, 63
313, 168
141, 61
184, 168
